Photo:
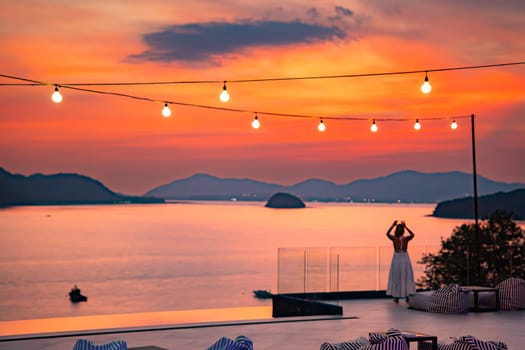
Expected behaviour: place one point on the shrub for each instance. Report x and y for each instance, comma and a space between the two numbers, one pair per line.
500, 244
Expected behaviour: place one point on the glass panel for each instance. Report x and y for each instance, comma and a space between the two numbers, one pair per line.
308, 270
291, 270
317, 270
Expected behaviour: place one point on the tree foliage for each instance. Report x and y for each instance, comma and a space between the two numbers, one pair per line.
501, 254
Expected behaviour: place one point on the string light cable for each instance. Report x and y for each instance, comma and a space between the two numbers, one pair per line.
254, 80
166, 112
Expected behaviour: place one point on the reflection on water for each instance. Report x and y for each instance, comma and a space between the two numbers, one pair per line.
157, 257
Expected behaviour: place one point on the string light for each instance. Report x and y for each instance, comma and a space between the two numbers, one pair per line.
166, 111
321, 127
255, 123
426, 87
224, 96
57, 96
373, 127
454, 125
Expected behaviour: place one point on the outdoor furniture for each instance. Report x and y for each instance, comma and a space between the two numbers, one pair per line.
354, 344
85, 344
486, 304
391, 339
421, 300
512, 294
472, 343
424, 341
240, 343
449, 299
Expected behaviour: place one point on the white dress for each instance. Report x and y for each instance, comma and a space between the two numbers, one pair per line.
401, 276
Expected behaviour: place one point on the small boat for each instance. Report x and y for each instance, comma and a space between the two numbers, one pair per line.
262, 294
75, 296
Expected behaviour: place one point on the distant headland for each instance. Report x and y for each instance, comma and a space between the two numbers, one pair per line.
60, 189
462, 208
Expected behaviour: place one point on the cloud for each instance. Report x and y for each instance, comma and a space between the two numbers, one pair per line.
344, 18
342, 11
204, 41
312, 13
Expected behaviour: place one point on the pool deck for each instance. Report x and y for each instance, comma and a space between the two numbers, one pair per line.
198, 329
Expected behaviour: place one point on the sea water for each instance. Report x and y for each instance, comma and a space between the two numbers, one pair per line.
175, 256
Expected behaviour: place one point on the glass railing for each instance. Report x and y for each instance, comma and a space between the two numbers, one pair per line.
337, 269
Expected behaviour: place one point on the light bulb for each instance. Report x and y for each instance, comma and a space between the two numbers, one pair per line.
255, 123
224, 96
426, 87
166, 111
454, 125
56, 97
417, 126
373, 127
321, 127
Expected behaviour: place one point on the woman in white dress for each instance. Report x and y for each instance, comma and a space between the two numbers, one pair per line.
401, 276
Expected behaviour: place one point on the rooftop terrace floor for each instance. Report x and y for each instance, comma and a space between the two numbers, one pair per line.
198, 329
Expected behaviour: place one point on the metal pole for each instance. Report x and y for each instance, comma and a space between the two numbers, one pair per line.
476, 215
304, 271
337, 272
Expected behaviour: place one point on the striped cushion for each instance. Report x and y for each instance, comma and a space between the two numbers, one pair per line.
347, 345
456, 345
240, 343
390, 343
450, 299
499, 344
512, 294
379, 337
476, 344
85, 344
471, 343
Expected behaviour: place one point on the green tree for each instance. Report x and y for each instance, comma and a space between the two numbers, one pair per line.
501, 254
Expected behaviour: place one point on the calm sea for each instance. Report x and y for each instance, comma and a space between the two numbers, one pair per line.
160, 257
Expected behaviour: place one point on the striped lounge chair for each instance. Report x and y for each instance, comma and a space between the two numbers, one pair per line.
240, 343
472, 343
448, 299
85, 344
355, 344
392, 339
512, 294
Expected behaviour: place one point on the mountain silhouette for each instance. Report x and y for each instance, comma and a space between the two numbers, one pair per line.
407, 186
39, 189
204, 186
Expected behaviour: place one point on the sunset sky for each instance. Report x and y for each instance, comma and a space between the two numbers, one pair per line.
130, 147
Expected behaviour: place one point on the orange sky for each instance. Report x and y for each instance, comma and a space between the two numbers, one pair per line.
131, 148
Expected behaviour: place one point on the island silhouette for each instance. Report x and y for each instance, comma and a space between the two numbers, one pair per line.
281, 200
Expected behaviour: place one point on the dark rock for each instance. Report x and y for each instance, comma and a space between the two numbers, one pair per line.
283, 200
